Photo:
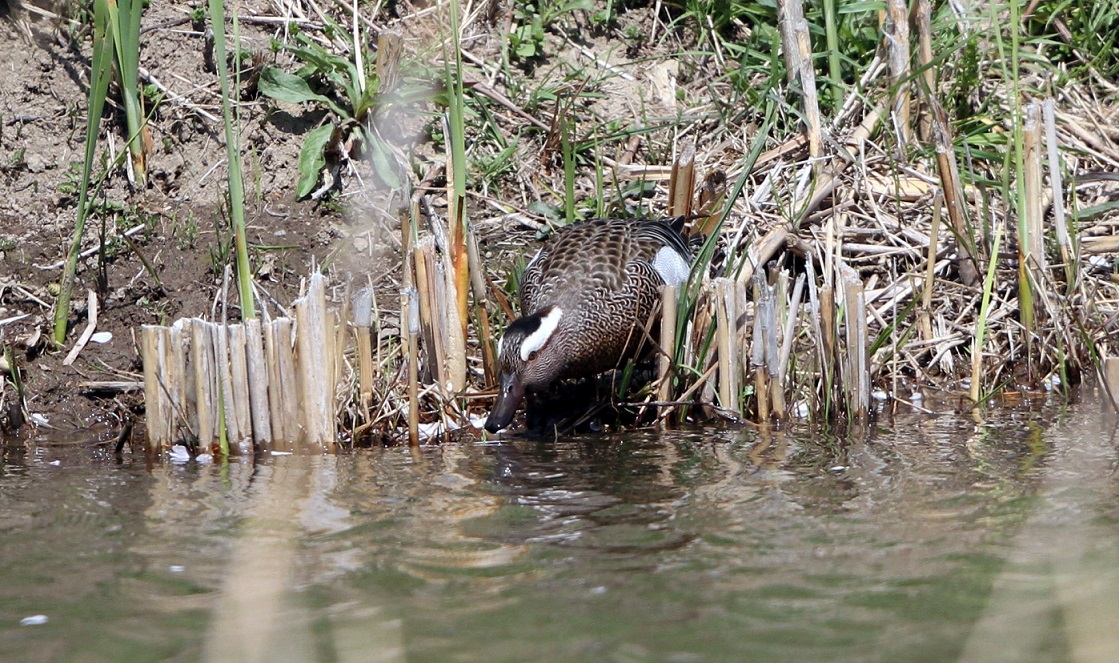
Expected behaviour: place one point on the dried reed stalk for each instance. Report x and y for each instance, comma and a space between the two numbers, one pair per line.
897, 49
681, 185
1110, 371
953, 191
1069, 258
924, 317
157, 415
276, 388
798, 59
454, 318
787, 337
183, 399
767, 311
428, 289
923, 20
816, 319
726, 316
410, 329
828, 346
390, 48
205, 380
763, 301
259, 382
856, 378
485, 335
314, 364
239, 381
220, 338
287, 380
1032, 247
362, 306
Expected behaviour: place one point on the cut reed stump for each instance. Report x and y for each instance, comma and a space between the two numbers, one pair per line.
272, 384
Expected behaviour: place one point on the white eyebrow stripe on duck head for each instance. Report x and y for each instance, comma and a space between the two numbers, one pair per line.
538, 338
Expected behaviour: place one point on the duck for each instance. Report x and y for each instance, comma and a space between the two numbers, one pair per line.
585, 296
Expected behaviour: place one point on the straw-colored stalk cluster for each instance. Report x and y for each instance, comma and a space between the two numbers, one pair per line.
1019, 321
272, 384
744, 352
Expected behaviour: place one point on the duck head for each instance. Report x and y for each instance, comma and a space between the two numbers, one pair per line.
530, 360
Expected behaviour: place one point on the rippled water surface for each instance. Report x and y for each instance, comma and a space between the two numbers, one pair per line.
919, 538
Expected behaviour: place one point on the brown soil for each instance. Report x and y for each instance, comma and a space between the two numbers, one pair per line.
184, 228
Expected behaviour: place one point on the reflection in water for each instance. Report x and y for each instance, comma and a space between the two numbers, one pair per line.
913, 538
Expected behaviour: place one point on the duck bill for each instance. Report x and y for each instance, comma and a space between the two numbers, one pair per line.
510, 393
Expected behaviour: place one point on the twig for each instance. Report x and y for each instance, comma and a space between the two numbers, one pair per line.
179, 99
90, 327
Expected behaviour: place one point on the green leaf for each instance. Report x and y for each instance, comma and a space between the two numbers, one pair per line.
383, 163
526, 50
101, 71
282, 86
312, 158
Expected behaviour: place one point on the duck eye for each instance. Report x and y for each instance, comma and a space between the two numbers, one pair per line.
532, 355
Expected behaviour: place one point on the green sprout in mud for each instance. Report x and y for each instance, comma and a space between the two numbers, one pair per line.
350, 90
533, 19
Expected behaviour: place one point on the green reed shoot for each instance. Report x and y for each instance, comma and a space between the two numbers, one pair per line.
101, 69
981, 322
233, 156
124, 26
568, 149
831, 32
452, 72
458, 220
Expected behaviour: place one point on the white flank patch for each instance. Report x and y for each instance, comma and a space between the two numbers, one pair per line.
672, 266
538, 338
500, 339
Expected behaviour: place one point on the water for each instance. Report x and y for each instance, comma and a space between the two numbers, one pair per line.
919, 539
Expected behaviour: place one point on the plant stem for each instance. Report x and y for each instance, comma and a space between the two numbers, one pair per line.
233, 155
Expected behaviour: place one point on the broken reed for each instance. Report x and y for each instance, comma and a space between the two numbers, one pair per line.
267, 385
753, 378
305, 382
758, 367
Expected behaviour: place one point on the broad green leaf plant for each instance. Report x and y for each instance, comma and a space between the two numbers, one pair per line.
350, 91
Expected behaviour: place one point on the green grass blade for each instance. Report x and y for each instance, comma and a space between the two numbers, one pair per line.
834, 71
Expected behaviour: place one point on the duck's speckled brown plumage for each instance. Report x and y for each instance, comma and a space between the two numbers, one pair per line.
601, 274
604, 276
